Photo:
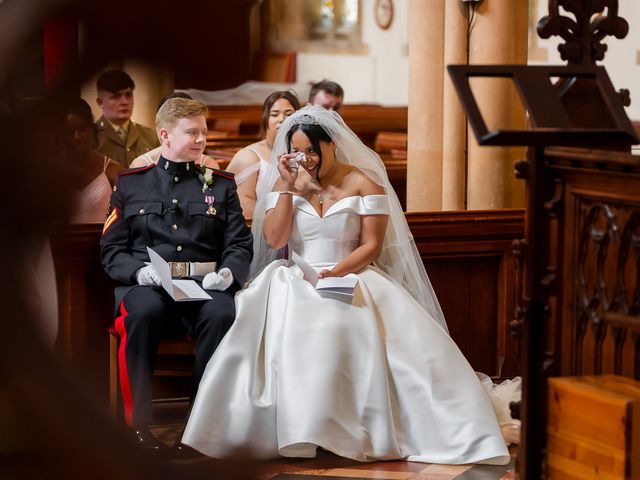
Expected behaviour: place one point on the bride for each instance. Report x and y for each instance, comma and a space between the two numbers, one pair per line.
373, 378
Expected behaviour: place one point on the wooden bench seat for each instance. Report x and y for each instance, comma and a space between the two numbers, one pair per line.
365, 120
389, 142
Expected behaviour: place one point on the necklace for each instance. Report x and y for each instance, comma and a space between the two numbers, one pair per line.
319, 192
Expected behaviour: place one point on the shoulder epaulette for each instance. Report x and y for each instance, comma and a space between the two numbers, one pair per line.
224, 174
136, 170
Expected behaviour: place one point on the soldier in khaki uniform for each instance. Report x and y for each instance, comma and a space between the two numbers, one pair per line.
119, 137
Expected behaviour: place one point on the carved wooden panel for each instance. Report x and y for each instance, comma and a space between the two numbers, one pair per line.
606, 261
584, 29
578, 312
598, 320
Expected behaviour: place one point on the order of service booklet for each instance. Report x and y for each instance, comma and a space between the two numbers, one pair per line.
341, 286
180, 290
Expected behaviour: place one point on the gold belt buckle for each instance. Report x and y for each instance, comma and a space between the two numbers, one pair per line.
179, 269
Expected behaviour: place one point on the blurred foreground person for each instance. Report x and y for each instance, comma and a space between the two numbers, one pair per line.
52, 425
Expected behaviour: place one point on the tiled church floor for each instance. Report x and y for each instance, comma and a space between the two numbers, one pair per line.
328, 466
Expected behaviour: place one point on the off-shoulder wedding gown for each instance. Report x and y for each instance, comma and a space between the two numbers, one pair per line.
374, 379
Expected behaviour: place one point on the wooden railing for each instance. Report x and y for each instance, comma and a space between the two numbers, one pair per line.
468, 256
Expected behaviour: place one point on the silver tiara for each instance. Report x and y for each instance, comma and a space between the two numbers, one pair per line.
305, 119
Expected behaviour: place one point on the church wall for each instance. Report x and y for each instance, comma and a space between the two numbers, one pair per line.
381, 75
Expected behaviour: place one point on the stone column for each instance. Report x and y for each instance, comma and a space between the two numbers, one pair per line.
426, 64
454, 124
292, 23
499, 36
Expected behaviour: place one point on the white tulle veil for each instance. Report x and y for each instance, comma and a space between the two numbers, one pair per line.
399, 257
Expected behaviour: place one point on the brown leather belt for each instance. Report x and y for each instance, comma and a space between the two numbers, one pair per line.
187, 269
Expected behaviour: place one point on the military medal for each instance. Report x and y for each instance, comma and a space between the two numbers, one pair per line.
210, 199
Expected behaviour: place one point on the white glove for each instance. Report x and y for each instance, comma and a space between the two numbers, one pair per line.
220, 280
148, 276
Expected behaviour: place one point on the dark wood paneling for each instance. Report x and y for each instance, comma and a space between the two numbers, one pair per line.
85, 301
469, 258
467, 254
484, 324
454, 299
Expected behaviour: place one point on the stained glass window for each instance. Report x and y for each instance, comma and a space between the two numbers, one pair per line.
316, 25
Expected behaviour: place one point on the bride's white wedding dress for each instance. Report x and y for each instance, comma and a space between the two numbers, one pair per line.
374, 379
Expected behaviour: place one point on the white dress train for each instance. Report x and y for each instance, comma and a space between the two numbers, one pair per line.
374, 379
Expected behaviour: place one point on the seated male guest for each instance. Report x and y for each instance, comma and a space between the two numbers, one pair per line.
327, 94
119, 137
192, 220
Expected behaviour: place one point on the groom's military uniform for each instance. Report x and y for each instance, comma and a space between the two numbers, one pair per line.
171, 208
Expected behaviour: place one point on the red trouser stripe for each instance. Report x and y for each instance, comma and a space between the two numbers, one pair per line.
125, 385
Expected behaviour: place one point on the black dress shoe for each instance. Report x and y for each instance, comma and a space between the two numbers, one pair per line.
184, 451
146, 440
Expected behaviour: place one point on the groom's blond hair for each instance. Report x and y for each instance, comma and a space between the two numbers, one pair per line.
176, 108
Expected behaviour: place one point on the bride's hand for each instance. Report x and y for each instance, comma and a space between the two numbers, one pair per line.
287, 173
326, 273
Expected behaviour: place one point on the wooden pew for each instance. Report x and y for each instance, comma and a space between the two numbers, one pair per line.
390, 142
365, 120
248, 115
230, 127
468, 256
397, 172
392, 147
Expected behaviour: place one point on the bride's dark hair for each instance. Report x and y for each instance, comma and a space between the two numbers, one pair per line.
316, 134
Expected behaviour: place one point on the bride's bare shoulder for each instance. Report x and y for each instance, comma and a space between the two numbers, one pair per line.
362, 183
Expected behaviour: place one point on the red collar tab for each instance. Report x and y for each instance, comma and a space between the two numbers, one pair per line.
136, 170
224, 174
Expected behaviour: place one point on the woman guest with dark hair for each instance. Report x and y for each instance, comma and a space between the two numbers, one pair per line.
93, 174
251, 160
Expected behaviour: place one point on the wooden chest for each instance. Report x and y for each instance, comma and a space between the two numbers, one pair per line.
593, 428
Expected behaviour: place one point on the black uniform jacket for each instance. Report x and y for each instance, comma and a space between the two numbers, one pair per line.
163, 206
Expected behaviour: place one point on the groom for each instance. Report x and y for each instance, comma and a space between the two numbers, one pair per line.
194, 221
